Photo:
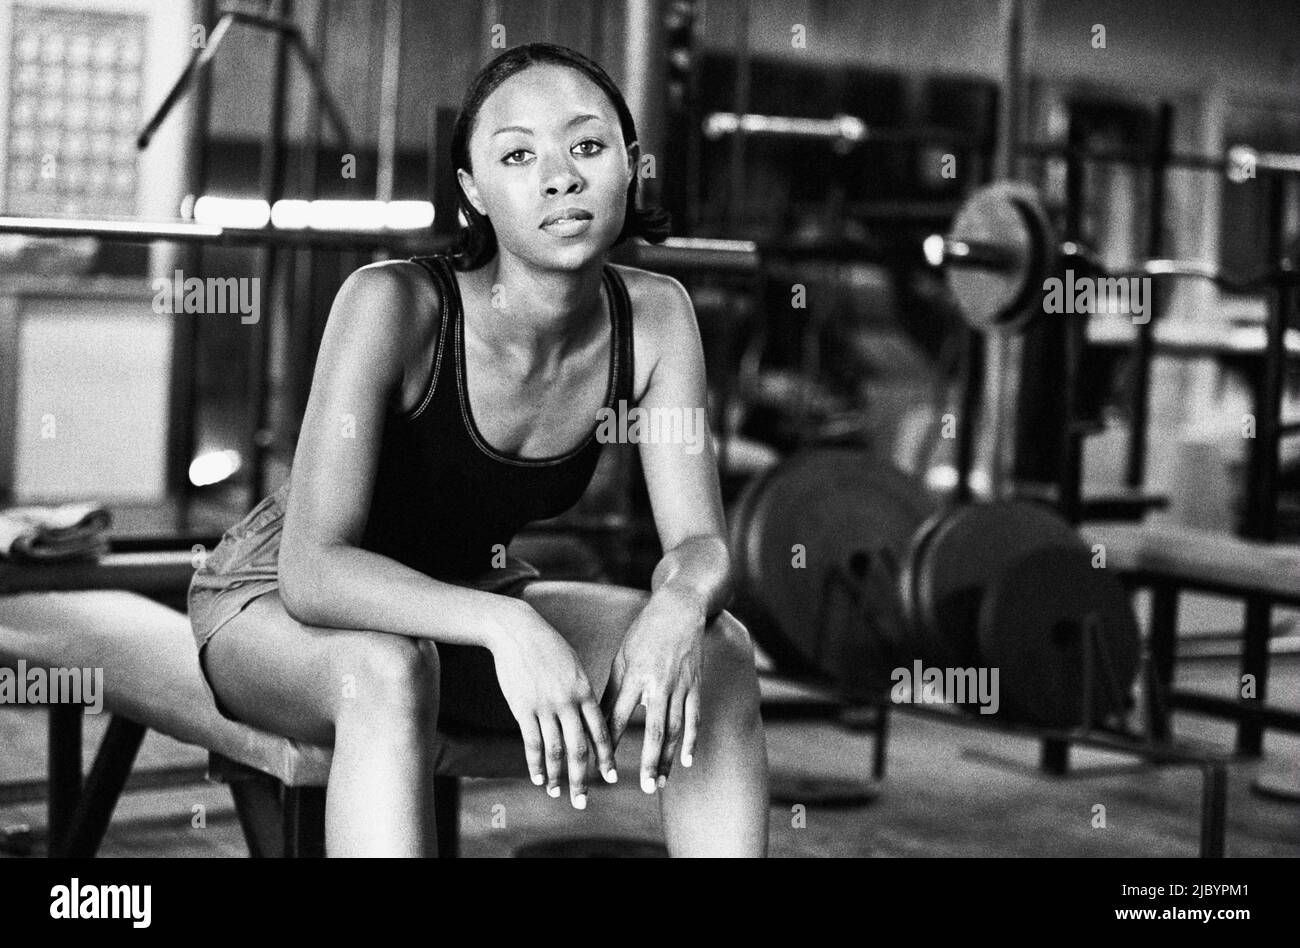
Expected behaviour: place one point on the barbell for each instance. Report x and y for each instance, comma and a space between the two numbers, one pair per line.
1002, 248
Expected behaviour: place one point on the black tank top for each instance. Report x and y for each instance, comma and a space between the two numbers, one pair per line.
443, 497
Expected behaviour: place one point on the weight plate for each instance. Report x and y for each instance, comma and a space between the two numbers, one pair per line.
966, 552
1034, 628
907, 589
816, 543
1042, 262
1008, 215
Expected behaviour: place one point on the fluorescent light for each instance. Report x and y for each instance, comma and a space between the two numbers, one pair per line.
290, 214
346, 215
932, 247
244, 213
214, 467
944, 477
297, 214
409, 215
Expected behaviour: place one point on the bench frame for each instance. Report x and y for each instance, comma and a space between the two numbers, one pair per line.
278, 821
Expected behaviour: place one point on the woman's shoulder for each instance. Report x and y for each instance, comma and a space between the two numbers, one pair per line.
399, 291
661, 313
655, 297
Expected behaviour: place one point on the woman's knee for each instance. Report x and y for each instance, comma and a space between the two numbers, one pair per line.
730, 673
378, 669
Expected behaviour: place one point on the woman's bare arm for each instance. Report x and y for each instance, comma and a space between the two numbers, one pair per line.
659, 662
682, 479
326, 579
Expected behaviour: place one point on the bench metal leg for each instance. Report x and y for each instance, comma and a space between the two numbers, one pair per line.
1054, 758
261, 816
1214, 810
881, 750
1163, 642
1254, 662
103, 788
446, 815
304, 822
64, 769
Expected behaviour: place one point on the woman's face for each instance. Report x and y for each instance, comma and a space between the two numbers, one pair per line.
550, 168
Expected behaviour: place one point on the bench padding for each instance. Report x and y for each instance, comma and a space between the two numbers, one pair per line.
151, 676
1204, 555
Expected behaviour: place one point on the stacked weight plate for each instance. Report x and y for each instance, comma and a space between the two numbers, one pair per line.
1011, 585
816, 543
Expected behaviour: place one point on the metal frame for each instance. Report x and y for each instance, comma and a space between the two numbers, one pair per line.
1262, 475
1214, 776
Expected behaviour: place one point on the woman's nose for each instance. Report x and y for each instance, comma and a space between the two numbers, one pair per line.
560, 177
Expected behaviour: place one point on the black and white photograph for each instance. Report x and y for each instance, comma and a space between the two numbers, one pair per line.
651, 428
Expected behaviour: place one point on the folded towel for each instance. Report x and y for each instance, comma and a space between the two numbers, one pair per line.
52, 534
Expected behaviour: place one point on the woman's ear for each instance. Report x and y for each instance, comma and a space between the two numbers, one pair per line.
467, 185
633, 159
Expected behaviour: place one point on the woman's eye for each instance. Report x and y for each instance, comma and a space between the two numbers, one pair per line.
586, 149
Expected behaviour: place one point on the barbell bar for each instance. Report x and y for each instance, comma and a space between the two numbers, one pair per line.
849, 130
1001, 249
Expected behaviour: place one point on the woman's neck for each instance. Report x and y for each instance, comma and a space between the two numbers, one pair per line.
539, 315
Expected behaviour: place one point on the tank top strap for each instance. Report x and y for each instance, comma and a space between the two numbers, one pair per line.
437, 268
625, 382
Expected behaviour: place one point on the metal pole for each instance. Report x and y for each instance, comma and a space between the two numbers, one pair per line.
300, 266
1076, 337
185, 384
1139, 405
643, 68
388, 100
1010, 101
1262, 469
262, 435
995, 376
737, 184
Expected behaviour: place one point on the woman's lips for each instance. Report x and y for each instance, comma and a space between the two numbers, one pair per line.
568, 226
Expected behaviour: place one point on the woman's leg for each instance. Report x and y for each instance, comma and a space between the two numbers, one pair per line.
719, 805
373, 695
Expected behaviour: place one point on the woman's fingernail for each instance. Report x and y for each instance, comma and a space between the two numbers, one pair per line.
552, 791
647, 783
611, 776
662, 781
580, 802
538, 780
687, 759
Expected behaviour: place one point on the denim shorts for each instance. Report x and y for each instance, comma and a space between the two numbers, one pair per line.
244, 566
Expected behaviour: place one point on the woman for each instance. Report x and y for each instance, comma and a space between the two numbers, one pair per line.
455, 400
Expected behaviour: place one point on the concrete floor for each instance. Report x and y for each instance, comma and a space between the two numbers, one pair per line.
949, 791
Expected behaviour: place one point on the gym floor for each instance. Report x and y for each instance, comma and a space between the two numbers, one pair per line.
948, 791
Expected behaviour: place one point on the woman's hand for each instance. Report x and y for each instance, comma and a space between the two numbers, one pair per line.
558, 716
659, 666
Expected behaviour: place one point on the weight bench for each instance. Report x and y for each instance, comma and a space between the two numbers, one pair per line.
1168, 559
152, 681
